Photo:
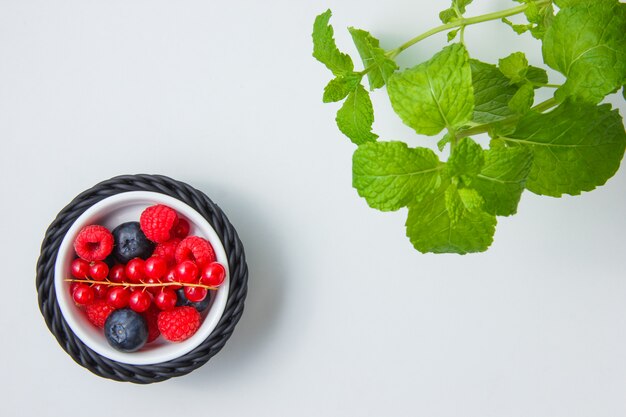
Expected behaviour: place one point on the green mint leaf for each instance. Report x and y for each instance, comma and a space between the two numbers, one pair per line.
519, 29
576, 147
435, 94
356, 116
338, 88
447, 138
460, 200
523, 99
373, 56
569, 3
514, 67
471, 199
537, 76
541, 17
532, 11
462, 4
586, 43
389, 175
503, 178
454, 205
492, 92
452, 34
324, 47
466, 160
450, 222
454, 12
448, 15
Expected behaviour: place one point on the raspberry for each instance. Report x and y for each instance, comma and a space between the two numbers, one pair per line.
179, 324
196, 249
151, 316
157, 222
97, 312
167, 250
93, 243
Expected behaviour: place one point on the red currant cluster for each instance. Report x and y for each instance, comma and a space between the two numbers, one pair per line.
139, 283
143, 264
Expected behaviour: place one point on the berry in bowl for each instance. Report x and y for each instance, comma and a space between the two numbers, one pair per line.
141, 278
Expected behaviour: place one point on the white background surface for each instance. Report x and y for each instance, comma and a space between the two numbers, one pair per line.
343, 316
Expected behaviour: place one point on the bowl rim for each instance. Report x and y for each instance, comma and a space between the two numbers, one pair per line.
86, 332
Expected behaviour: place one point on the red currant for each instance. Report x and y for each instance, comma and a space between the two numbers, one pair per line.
213, 274
100, 290
155, 267
195, 294
117, 297
181, 229
171, 277
79, 268
135, 270
83, 294
166, 299
98, 270
186, 271
154, 290
73, 288
117, 274
139, 301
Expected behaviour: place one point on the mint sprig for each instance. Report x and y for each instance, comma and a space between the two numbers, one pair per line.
567, 144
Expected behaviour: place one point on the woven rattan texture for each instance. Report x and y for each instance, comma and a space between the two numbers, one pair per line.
141, 374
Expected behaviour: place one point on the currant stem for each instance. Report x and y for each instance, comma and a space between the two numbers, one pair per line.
140, 284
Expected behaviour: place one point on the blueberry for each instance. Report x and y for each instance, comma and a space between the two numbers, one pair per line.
200, 305
130, 242
126, 330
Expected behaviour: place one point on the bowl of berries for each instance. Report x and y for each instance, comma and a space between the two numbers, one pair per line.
141, 278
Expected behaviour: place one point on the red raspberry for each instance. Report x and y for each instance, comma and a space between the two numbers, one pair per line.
196, 249
157, 222
97, 312
179, 324
151, 315
93, 243
167, 251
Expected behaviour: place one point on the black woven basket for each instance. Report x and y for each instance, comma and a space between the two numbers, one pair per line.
141, 374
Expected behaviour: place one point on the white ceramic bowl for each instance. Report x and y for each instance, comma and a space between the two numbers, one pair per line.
111, 212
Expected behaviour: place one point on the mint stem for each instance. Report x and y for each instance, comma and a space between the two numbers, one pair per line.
462, 22
483, 128
545, 105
